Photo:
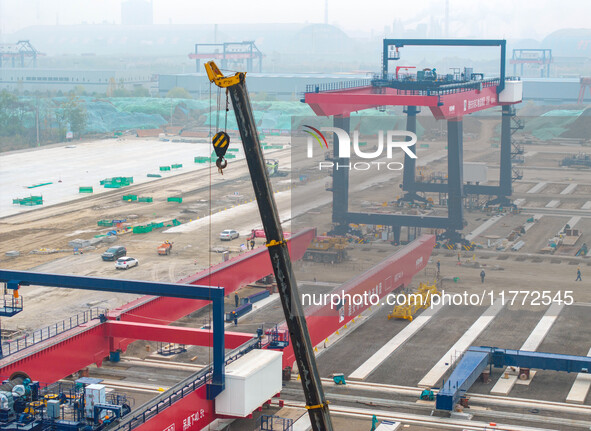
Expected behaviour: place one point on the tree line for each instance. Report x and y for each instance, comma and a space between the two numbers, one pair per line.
27, 121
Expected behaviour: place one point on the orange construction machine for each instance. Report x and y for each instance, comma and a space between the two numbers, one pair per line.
164, 248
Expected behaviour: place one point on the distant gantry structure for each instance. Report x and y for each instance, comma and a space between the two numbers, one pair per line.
450, 97
534, 56
20, 54
238, 55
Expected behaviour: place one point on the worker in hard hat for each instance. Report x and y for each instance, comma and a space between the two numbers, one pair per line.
482, 275
579, 274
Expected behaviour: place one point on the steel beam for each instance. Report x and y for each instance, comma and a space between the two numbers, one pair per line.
501, 358
340, 180
171, 334
470, 367
14, 279
175, 290
505, 180
476, 359
408, 174
455, 177
398, 220
443, 106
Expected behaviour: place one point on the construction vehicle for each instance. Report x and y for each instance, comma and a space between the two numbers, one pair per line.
427, 395
235, 88
339, 379
580, 160
414, 302
165, 248
272, 166
327, 250
256, 233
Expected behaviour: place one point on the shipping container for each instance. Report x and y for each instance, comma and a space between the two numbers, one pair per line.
251, 380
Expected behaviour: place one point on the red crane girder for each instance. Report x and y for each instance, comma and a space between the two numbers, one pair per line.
117, 330
443, 106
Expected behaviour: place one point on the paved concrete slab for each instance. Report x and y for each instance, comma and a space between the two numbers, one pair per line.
569, 189
580, 388
519, 202
69, 167
302, 424
504, 385
362, 339
395, 342
573, 221
451, 357
565, 336
483, 227
408, 365
553, 203
537, 188
528, 225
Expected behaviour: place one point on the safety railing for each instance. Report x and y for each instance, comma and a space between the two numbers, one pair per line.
405, 87
10, 305
275, 423
337, 85
35, 337
179, 391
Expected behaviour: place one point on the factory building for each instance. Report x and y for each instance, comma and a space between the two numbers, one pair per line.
35, 79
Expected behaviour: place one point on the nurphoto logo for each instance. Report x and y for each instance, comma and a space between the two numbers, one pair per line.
373, 159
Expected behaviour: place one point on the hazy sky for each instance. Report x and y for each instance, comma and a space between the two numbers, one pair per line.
469, 18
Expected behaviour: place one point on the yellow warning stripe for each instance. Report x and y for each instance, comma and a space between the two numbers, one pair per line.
220, 139
221, 144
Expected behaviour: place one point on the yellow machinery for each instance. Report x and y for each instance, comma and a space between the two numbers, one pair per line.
327, 250
414, 302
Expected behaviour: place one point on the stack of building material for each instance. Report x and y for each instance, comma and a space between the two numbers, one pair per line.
79, 243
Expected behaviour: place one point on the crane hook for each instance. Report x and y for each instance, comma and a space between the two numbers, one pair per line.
221, 163
221, 142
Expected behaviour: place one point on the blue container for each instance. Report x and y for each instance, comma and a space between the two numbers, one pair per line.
238, 312
258, 296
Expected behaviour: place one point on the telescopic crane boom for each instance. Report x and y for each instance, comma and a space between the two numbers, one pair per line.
288, 291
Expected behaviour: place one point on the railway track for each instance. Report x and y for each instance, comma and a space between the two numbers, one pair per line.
413, 391
474, 398
416, 419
